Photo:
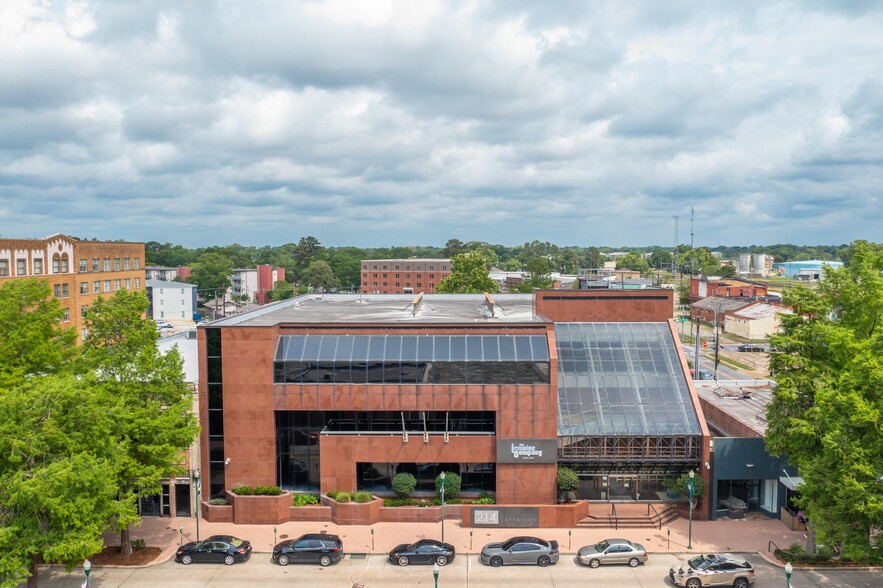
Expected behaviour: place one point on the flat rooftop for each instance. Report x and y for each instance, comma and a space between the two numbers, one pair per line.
388, 308
743, 400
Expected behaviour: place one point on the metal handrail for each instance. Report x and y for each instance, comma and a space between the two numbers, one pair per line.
773, 543
615, 516
658, 516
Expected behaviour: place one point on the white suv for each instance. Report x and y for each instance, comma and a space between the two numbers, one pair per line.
713, 570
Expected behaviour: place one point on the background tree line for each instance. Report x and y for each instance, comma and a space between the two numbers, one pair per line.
308, 263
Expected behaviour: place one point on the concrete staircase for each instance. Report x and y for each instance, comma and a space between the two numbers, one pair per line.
628, 515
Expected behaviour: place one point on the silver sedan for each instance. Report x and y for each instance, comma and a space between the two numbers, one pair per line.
520, 551
612, 551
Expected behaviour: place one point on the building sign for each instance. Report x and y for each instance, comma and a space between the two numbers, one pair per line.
506, 517
527, 451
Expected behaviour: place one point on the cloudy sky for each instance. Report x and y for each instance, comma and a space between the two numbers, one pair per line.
380, 123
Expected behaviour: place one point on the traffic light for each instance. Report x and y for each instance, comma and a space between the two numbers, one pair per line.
705, 345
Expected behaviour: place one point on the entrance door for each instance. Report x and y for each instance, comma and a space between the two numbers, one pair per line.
182, 500
622, 487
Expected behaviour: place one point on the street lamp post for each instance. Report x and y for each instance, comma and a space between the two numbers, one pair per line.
788, 569
87, 567
690, 490
198, 492
442, 476
435, 573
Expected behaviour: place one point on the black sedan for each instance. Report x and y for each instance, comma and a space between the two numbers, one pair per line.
215, 549
319, 548
425, 551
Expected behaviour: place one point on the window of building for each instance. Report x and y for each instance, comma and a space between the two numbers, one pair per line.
384, 266
431, 276
67, 315
64, 265
116, 263
95, 262
128, 283
96, 287
384, 284
431, 285
20, 265
85, 334
84, 287
397, 276
137, 283
117, 284
407, 267
162, 314
65, 291
384, 276
107, 285
56, 290
4, 267
375, 275
397, 284
137, 263
397, 267
431, 268
83, 309
407, 275
83, 265
38, 267
107, 264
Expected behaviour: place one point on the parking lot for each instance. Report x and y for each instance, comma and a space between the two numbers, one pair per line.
374, 571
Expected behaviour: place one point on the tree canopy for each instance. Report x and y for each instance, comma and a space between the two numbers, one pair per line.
211, 274
826, 411
469, 274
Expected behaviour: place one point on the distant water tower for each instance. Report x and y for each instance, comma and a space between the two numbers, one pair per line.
744, 263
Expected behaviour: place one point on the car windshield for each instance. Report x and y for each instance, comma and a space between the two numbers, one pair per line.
700, 562
602, 545
508, 544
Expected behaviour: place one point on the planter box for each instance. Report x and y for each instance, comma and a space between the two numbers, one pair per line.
311, 513
260, 510
217, 513
353, 513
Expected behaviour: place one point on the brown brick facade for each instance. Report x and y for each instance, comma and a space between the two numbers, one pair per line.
624, 306
403, 276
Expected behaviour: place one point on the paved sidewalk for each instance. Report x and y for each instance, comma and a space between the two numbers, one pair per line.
739, 535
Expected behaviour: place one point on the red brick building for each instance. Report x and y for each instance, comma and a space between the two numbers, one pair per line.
703, 287
342, 392
403, 276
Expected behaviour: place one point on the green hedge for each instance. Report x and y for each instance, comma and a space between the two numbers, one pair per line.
403, 484
363, 497
452, 486
305, 499
257, 490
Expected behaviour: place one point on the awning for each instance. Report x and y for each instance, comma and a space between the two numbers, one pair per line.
791, 482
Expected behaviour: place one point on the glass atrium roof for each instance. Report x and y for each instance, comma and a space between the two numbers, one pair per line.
621, 379
413, 348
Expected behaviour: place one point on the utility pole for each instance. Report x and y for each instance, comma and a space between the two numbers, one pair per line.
674, 253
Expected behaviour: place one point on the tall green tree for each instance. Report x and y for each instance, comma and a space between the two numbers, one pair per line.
538, 275
469, 274
453, 247
320, 276
211, 274
308, 250
152, 404
632, 261
826, 411
58, 463
282, 290
31, 339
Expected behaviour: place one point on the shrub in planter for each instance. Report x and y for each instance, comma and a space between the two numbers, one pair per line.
399, 502
362, 497
452, 485
403, 484
305, 499
680, 485
332, 495
241, 490
567, 481
486, 500
344, 497
257, 491
218, 502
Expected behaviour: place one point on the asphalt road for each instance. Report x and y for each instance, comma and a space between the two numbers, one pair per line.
374, 571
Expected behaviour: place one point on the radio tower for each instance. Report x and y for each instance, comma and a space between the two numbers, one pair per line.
692, 250
674, 252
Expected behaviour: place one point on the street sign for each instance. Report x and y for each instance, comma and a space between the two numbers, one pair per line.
683, 319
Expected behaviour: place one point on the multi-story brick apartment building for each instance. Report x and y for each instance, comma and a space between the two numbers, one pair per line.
703, 287
78, 271
342, 392
403, 276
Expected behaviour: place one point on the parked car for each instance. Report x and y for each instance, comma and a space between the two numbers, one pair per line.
520, 551
703, 374
713, 570
317, 548
215, 549
750, 347
425, 551
612, 551
164, 325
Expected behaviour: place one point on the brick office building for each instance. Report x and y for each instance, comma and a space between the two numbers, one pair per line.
78, 271
342, 392
403, 276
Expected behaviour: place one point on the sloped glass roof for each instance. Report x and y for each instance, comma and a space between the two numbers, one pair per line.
413, 348
621, 379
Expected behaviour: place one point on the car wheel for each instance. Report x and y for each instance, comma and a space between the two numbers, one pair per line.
543, 561
634, 562
441, 560
693, 583
403, 561
496, 561
229, 560
594, 563
187, 560
740, 583
325, 561
284, 560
